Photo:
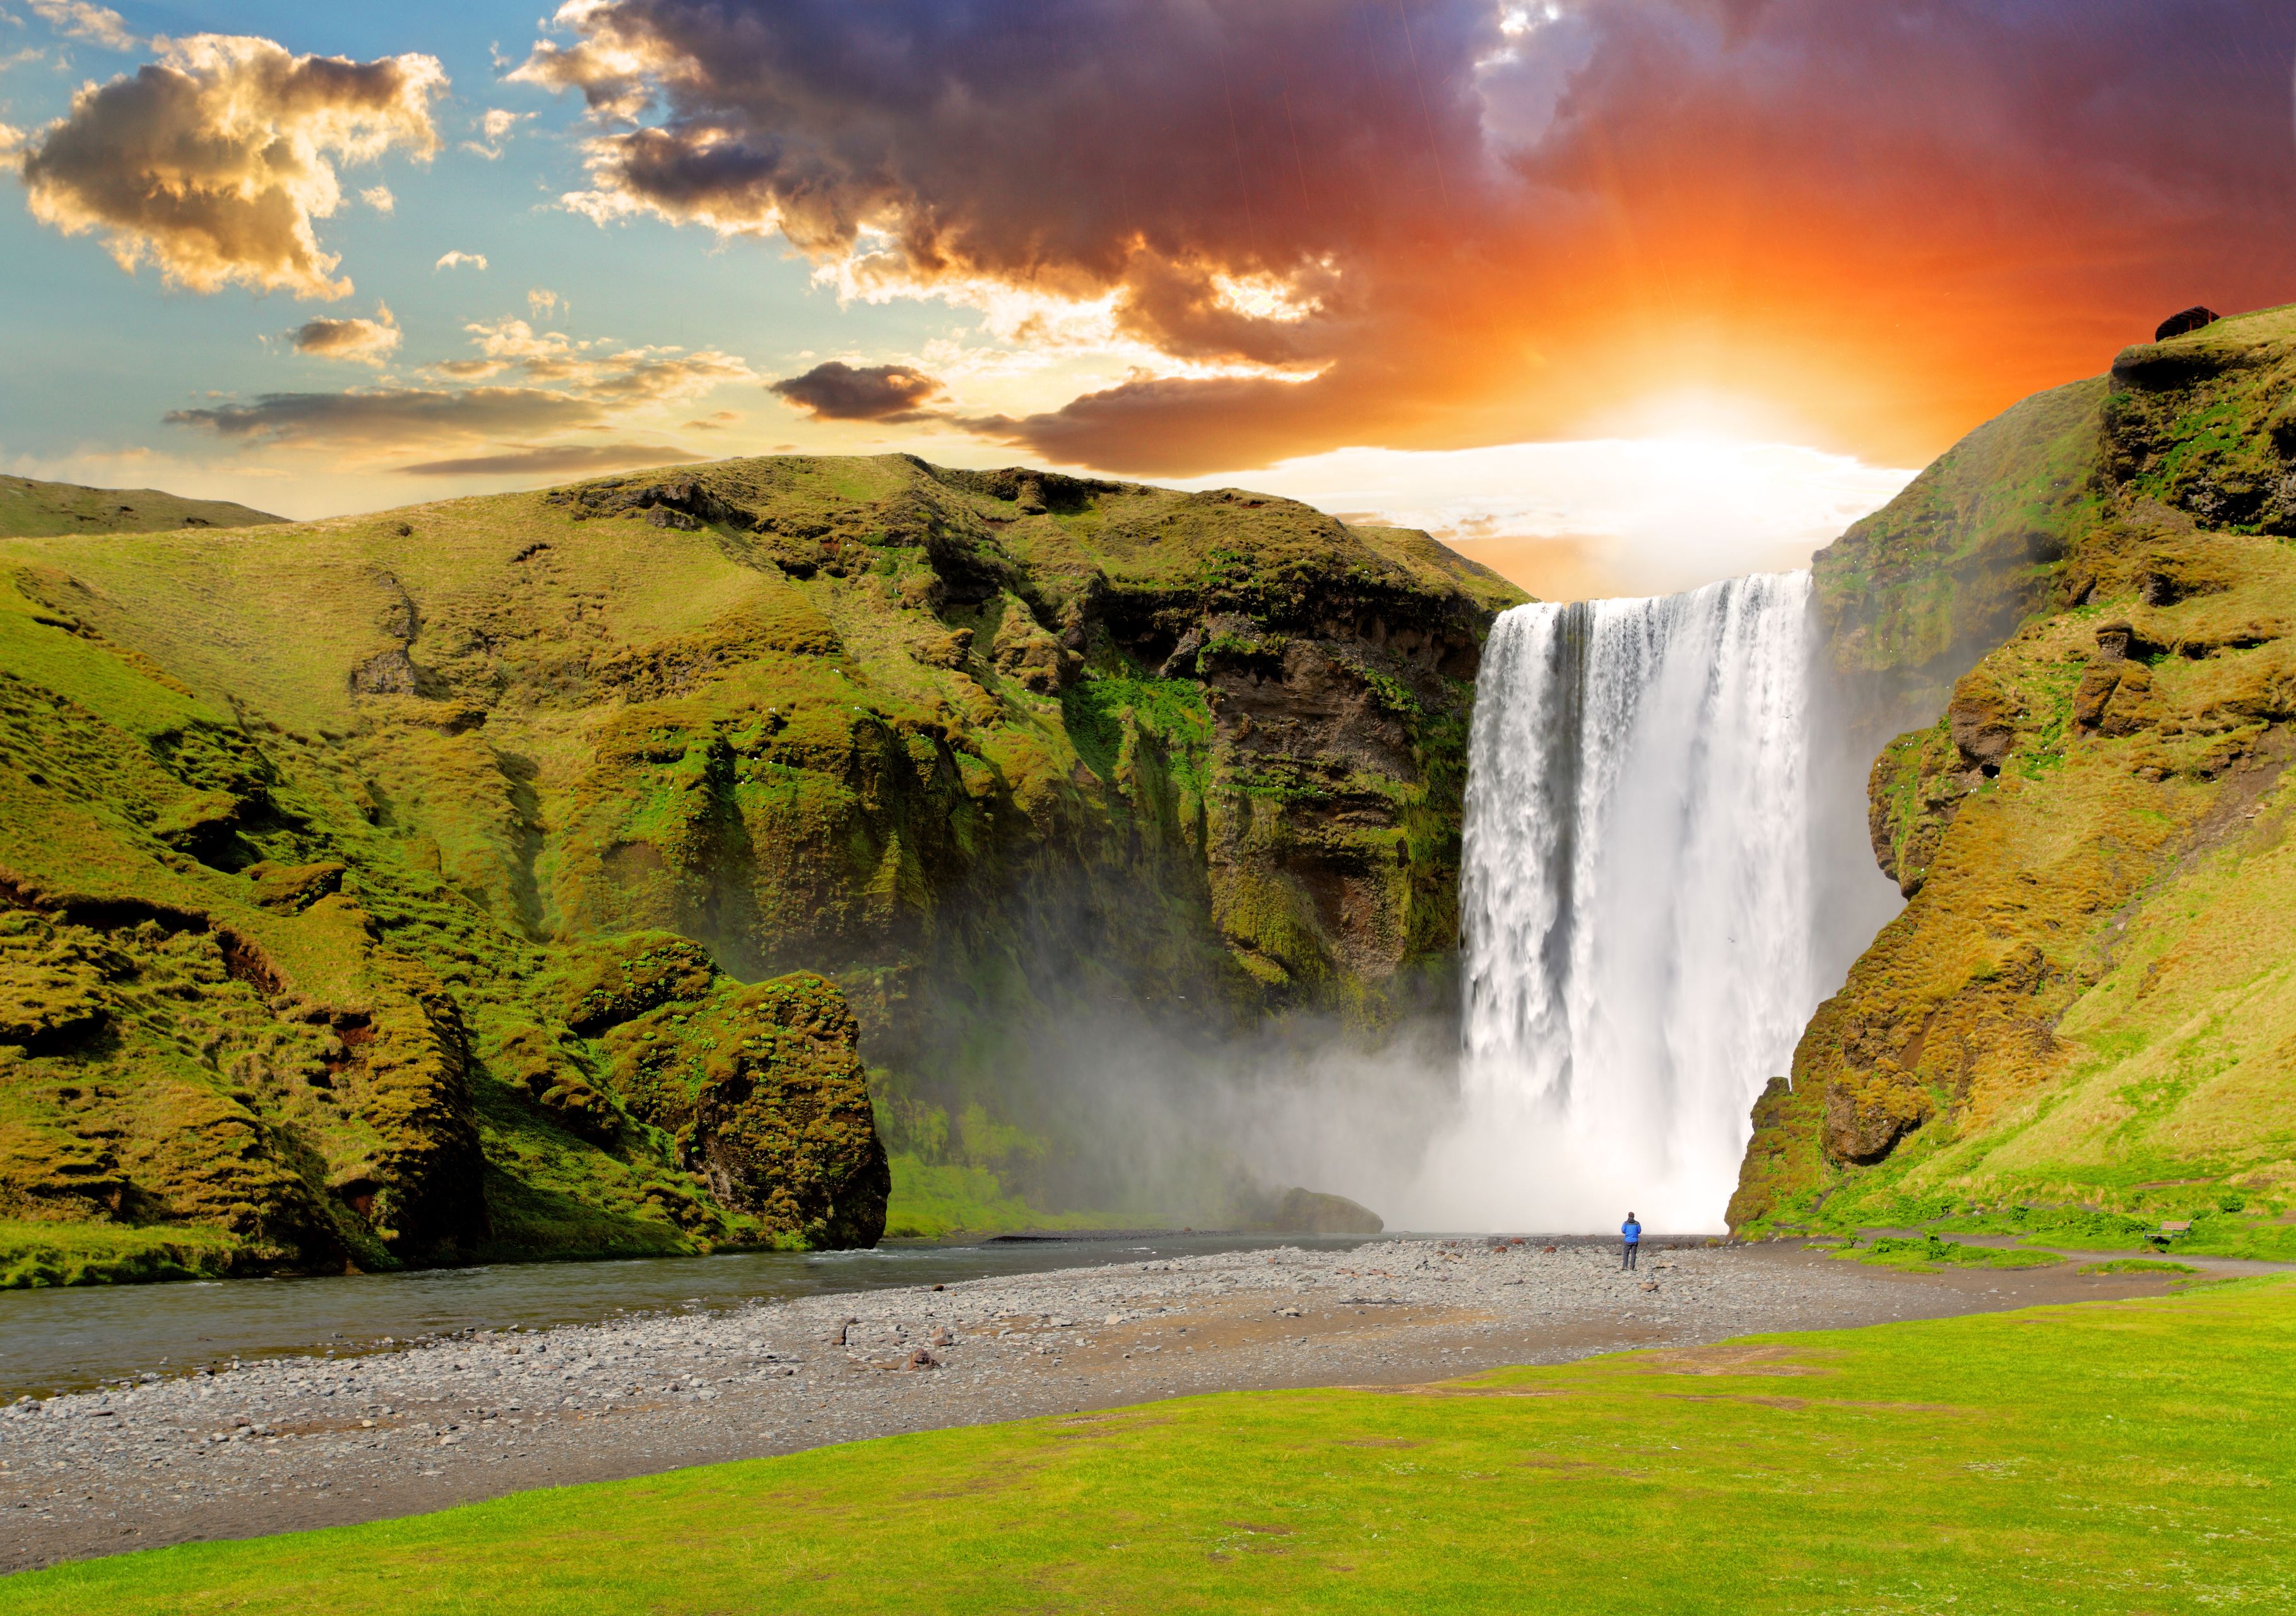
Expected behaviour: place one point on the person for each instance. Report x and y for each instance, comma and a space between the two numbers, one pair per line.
1630, 1237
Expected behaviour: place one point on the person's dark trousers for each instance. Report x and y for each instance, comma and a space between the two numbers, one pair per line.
1627, 1263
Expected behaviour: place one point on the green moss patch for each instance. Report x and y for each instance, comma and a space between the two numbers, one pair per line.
37, 1254
1930, 1253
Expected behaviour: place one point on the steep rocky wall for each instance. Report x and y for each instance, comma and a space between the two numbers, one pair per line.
1020, 761
2086, 1005
465, 807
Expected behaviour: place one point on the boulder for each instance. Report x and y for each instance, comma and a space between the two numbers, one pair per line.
1297, 1211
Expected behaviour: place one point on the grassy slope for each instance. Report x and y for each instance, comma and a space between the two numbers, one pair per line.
1913, 595
28, 508
2105, 1458
2084, 1019
839, 719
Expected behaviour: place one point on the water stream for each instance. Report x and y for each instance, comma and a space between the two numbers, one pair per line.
1636, 906
59, 1340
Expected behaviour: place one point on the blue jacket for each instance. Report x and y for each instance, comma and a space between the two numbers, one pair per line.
1633, 1231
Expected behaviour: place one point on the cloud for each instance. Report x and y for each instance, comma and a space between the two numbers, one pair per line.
716, 421
838, 391
458, 258
1645, 516
625, 379
214, 161
392, 417
363, 342
379, 199
1444, 222
96, 24
556, 459
567, 385
495, 128
544, 302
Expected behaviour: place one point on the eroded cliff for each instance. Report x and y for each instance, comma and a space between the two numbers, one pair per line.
532, 874
2085, 1010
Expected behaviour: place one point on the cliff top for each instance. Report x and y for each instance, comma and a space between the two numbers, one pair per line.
29, 507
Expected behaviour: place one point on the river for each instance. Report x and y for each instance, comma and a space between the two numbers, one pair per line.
67, 1339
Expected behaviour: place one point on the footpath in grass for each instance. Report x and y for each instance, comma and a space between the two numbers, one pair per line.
2110, 1456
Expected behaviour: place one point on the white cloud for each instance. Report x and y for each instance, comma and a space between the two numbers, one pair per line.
215, 160
1612, 516
96, 24
594, 369
456, 259
495, 128
378, 198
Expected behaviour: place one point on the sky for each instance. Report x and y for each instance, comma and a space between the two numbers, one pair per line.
1619, 295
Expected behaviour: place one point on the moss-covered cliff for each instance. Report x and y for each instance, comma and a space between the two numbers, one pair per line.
528, 874
2084, 1015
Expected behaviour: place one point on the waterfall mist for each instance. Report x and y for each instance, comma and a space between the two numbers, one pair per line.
1665, 869
1639, 941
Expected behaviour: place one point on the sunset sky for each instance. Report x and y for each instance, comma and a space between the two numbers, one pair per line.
1621, 294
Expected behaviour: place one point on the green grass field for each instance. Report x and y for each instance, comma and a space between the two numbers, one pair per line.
1928, 1254
2113, 1456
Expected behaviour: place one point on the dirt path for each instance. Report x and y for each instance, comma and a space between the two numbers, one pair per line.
291, 1443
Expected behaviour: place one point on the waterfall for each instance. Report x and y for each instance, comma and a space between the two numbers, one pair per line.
1636, 906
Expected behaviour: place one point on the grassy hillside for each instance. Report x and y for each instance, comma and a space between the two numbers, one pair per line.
2084, 1017
431, 884
30, 509
2110, 1458
1913, 595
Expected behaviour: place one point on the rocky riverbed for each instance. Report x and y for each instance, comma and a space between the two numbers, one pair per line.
285, 1443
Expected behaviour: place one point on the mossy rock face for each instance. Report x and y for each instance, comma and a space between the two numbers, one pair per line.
607, 984
763, 1089
2087, 1001
295, 888
346, 856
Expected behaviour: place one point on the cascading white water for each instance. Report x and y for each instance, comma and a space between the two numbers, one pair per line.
1636, 906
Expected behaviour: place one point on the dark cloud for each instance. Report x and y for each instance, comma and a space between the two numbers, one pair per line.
214, 161
572, 385
365, 342
556, 459
1469, 223
1159, 429
1145, 144
835, 391
393, 416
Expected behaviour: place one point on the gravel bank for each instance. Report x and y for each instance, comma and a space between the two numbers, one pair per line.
295, 1442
